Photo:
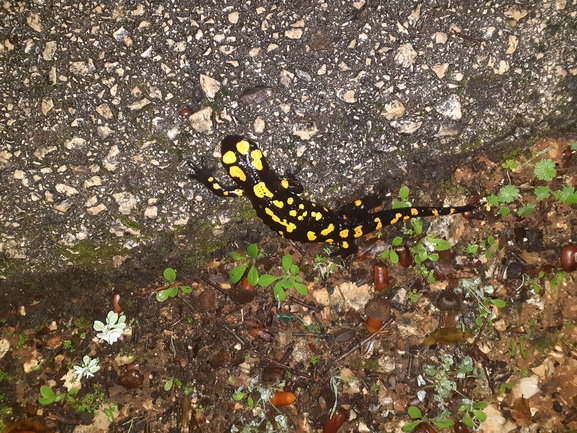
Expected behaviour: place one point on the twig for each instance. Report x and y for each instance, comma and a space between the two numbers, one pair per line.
366, 340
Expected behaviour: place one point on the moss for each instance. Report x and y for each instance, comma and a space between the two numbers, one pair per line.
128, 222
89, 252
81, 323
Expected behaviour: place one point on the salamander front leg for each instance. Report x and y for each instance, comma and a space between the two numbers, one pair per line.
203, 174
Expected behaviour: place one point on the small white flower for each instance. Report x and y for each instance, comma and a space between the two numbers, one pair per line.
88, 368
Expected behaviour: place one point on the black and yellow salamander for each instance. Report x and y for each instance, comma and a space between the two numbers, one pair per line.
278, 204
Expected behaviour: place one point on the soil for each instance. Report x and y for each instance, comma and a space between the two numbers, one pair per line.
207, 361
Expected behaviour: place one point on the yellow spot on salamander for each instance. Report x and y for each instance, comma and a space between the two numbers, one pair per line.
396, 218
269, 211
451, 211
225, 193
301, 206
215, 186
239, 192
328, 230
280, 233
242, 147
316, 215
311, 236
329, 241
210, 179
284, 183
261, 190
236, 171
290, 227
359, 231
379, 223
345, 245
358, 203
290, 200
293, 213
229, 157
435, 212
278, 203
344, 233
256, 156
406, 217
414, 212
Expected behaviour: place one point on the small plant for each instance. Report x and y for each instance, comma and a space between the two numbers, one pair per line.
413, 296
416, 414
404, 199
88, 368
113, 329
390, 252
109, 412
259, 409
557, 279
470, 287
49, 396
171, 291
170, 383
289, 280
443, 381
507, 194
67, 345
249, 261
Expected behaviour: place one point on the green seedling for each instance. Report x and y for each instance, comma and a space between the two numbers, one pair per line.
289, 280
557, 279
404, 199
49, 396
507, 194
390, 252
416, 414
172, 288
109, 412
170, 383
474, 414
249, 261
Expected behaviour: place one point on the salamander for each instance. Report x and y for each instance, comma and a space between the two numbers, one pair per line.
277, 202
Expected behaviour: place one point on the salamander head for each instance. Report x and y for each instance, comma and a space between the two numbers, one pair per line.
242, 152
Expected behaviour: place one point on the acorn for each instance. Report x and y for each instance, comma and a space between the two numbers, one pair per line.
569, 258
378, 311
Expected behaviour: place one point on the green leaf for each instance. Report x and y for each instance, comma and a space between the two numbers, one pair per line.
410, 426
294, 269
278, 291
252, 251
526, 210
252, 276
440, 244
161, 295
236, 256
170, 274
287, 261
414, 412
472, 249
445, 423
250, 401
45, 400
481, 416
266, 280
404, 192
480, 405
433, 257
467, 420
542, 192
186, 289
172, 292
236, 273
394, 257
504, 211
238, 396
498, 302
301, 288
493, 200
46, 391
508, 193
397, 241
417, 225
545, 169
509, 165
168, 385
